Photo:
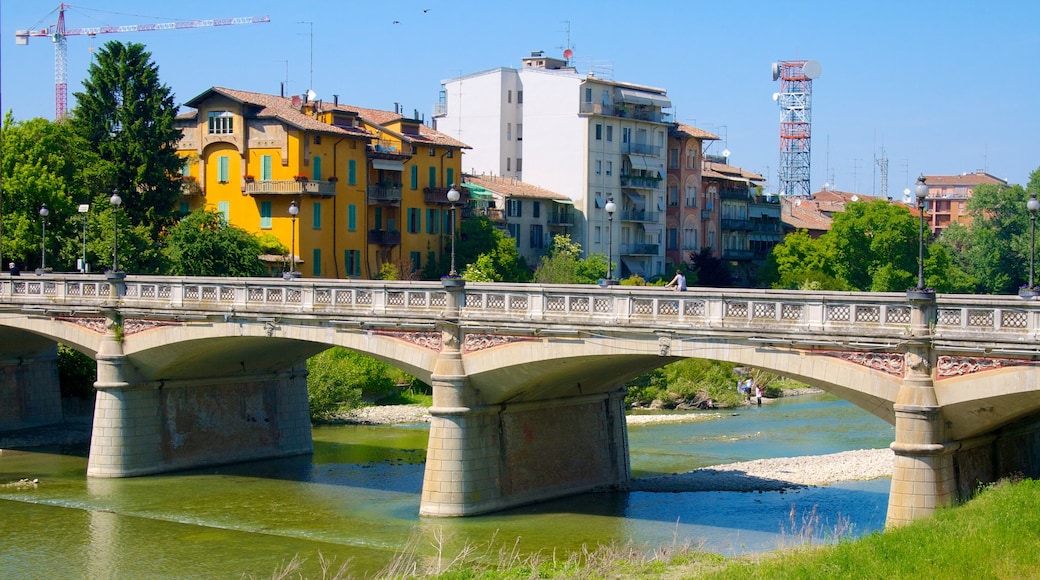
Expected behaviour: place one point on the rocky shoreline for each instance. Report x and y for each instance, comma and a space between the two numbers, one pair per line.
759, 475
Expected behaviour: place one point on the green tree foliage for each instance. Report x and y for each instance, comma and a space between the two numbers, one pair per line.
126, 115
709, 271
203, 244
77, 373
874, 246
804, 263
503, 263
339, 378
563, 264
998, 252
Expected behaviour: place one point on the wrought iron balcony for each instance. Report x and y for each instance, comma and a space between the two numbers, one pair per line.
639, 249
384, 237
639, 181
384, 194
639, 215
290, 187
439, 196
737, 225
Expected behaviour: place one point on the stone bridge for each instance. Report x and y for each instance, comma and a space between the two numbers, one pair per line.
528, 380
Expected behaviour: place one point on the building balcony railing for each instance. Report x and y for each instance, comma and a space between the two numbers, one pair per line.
767, 227
737, 225
733, 193
440, 109
738, 255
492, 213
626, 112
640, 182
384, 194
290, 187
641, 149
565, 220
384, 237
639, 249
639, 215
190, 187
439, 196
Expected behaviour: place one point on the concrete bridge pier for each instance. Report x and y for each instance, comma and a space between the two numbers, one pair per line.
923, 474
30, 393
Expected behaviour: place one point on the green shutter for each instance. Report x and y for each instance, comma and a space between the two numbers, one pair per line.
451, 177
352, 172
431, 221
378, 221
433, 177
316, 163
224, 208
265, 215
265, 167
317, 215
316, 264
415, 178
222, 169
416, 261
351, 218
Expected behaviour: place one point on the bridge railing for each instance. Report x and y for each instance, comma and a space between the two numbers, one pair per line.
998, 318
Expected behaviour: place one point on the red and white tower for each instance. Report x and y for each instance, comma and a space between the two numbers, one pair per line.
795, 100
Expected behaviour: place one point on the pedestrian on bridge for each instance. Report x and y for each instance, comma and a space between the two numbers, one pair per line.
13, 269
679, 281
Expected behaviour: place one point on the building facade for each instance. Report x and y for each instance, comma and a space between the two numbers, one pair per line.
948, 195
366, 186
585, 137
734, 190
689, 217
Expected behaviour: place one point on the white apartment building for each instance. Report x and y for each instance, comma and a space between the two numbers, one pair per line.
589, 138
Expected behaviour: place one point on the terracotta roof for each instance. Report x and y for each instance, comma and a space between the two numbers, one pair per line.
842, 197
509, 187
723, 171
382, 118
691, 131
967, 179
280, 108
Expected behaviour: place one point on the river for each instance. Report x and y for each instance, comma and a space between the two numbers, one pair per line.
356, 500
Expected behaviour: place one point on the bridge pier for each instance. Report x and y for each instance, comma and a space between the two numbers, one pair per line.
146, 427
30, 393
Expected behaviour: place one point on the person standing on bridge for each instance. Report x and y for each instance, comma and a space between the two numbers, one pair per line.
13, 269
679, 281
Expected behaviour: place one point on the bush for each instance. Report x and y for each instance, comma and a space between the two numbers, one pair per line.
339, 379
76, 373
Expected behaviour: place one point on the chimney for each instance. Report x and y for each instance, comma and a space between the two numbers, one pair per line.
335, 100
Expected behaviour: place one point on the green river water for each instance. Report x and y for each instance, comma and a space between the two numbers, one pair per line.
356, 499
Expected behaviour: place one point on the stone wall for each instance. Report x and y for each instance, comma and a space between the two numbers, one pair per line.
30, 393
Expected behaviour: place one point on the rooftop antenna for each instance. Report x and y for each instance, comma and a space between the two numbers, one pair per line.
310, 34
568, 49
795, 100
882, 163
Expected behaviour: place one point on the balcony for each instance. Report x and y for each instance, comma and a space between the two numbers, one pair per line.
384, 194
561, 219
190, 187
734, 193
640, 182
639, 215
625, 112
384, 238
439, 196
737, 255
290, 187
705, 214
492, 213
639, 249
737, 225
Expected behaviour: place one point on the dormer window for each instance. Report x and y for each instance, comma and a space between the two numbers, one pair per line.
221, 122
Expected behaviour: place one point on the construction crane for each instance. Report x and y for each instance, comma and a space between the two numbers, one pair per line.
59, 36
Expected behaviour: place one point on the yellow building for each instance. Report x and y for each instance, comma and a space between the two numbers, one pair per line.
253, 156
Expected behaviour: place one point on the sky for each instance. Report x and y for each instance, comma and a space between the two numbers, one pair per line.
935, 87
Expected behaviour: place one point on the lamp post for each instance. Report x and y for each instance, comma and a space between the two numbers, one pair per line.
44, 212
611, 207
453, 196
116, 201
921, 192
1033, 205
293, 210
83, 209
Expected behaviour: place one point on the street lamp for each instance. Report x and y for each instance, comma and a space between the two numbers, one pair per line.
44, 212
611, 207
83, 209
116, 201
293, 210
453, 196
1033, 205
921, 192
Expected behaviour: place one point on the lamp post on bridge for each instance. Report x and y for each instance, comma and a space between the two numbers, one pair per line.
292, 273
610, 208
920, 292
453, 196
1033, 205
44, 212
116, 201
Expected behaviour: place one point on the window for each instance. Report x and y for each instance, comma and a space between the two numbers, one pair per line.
352, 261
185, 208
224, 208
265, 167
537, 210
265, 215
416, 260
519, 131
509, 131
351, 218
610, 167
610, 132
599, 167
317, 215
415, 178
377, 218
626, 134
433, 152
222, 168
514, 208
221, 122
519, 97
673, 196
597, 236
673, 239
186, 168
317, 139
449, 173
519, 164
352, 172
537, 240
509, 96
509, 163
433, 177
316, 263
414, 220
588, 94
599, 131
431, 221
450, 154
691, 196
514, 232
673, 159
316, 164
446, 220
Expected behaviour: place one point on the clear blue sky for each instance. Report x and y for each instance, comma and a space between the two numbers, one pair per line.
945, 87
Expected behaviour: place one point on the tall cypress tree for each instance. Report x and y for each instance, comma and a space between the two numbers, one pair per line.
127, 115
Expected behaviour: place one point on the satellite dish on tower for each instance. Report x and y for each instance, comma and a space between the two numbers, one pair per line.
776, 71
567, 54
811, 69
725, 153
776, 96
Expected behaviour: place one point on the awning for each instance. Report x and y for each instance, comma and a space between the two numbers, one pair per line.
644, 98
484, 194
634, 266
564, 201
641, 161
388, 164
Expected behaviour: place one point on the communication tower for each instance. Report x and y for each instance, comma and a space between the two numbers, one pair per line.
795, 100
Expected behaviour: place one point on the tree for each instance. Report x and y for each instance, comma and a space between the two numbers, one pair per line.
564, 265
709, 270
503, 263
203, 244
999, 236
874, 246
126, 115
338, 378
